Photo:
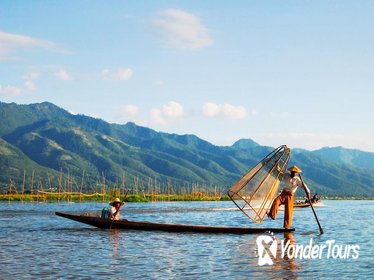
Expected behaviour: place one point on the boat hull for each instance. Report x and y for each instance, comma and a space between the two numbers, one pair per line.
305, 204
148, 226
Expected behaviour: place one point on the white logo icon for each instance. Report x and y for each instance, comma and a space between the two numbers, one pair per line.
267, 249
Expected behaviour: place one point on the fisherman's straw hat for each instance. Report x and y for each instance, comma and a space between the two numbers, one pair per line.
294, 169
116, 200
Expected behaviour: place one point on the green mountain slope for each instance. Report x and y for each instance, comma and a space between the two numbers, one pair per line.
351, 157
51, 141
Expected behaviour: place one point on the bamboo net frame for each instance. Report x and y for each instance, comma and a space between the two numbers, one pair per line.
253, 193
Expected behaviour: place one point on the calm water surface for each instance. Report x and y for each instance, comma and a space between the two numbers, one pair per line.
36, 244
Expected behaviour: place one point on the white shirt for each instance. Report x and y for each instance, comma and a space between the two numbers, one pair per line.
112, 211
293, 183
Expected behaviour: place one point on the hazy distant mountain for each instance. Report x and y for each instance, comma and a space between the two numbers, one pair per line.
53, 143
351, 157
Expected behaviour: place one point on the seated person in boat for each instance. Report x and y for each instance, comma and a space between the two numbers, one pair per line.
315, 198
286, 197
115, 209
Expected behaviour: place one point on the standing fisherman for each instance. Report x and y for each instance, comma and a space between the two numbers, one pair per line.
286, 197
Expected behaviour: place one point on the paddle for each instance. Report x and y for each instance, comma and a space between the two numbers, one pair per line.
314, 212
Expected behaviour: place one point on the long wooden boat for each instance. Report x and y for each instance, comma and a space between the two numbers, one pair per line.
302, 204
148, 226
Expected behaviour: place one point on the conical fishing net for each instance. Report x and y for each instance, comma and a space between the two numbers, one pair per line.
255, 191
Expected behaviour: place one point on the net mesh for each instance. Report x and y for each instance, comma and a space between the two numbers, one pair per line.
255, 191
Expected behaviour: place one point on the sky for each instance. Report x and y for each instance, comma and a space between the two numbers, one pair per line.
299, 73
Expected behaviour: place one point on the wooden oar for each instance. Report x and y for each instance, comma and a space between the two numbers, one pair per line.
311, 205
125, 195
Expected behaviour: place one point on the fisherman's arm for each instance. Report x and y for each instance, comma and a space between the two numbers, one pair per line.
113, 213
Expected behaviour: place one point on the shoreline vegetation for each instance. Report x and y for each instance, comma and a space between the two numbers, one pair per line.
49, 197
69, 188
97, 197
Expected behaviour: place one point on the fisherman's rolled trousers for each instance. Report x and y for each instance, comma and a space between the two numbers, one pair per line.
287, 199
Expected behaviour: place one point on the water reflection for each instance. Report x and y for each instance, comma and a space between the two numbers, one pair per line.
115, 243
282, 267
286, 266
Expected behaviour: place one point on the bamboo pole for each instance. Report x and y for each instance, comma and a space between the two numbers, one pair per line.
23, 185
124, 181
32, 182
81, 188
104, 186
59, 184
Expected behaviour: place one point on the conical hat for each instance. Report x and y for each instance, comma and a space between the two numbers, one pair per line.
294, 169
116, 200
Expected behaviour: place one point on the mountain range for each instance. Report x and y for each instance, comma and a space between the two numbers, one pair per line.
40, 144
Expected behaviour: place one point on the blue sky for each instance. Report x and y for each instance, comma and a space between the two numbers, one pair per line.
279, 72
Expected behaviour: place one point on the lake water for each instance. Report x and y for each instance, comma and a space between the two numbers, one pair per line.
36, 244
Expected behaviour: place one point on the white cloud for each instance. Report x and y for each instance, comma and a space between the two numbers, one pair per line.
9, 91
121, 74
211, 109
225, 110
30, 78
157, 117
183, 30
234, 112
63, 75
169, 112
131, 110
126, 113
166, 114
30, 85
11, 42
172, 109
